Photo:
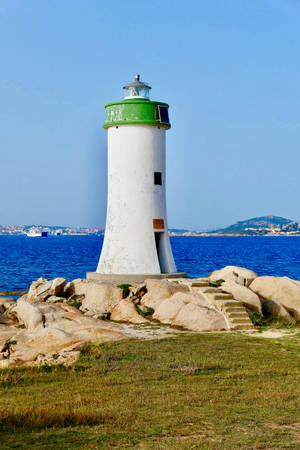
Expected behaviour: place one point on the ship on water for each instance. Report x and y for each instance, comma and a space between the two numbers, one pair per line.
36, 232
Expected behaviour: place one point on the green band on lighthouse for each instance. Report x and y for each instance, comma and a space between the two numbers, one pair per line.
135, 111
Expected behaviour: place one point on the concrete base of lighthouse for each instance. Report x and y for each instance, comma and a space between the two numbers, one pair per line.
132, 278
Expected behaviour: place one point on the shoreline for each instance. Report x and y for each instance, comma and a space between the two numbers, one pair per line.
170, 234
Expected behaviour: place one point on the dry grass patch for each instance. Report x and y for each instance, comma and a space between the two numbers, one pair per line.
190, 391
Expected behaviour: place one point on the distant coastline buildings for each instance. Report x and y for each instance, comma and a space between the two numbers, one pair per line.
258, 226
19, 230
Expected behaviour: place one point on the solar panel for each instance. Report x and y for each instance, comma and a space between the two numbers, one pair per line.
163, 114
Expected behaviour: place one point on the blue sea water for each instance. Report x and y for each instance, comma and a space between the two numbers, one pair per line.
24, 259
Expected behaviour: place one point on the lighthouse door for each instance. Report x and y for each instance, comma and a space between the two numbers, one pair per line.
159, 250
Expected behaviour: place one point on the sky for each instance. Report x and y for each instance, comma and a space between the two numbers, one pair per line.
229, 70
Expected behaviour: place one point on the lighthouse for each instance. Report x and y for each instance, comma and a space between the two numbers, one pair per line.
136, 242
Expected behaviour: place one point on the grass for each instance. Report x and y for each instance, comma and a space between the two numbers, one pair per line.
271, 321
217, 283
210, 391
146, 312
76, 304
125, 288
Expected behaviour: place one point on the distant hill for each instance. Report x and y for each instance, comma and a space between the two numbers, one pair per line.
256, 223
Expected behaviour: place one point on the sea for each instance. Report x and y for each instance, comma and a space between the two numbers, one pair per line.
24, 259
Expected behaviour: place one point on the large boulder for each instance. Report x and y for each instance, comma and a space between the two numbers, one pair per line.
29, 314
240, 275
191, 316
243, 294
168, 310
198, 298
125, 311
51, 330
280, 289
100, 297
276, 309
159, 290
198, 318
190, 311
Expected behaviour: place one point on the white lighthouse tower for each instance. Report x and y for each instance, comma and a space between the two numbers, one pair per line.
136, 242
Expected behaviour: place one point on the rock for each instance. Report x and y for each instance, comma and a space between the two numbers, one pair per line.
280, 289
190, 312
42, 289
159, 290
57, 288
5, 303
192, 297
198, 318
75, 298
136, 293
46, 340
35, 288
51, 328
89, 313
101, 297
243, 294
65, 358
69, 289
293, 281
276, 309
28, 314
6, 334
22, 355
125, 311
240, 275
168, 309
54, 299
79, 286
8, 314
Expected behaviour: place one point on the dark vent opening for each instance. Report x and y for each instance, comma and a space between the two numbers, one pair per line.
158, 178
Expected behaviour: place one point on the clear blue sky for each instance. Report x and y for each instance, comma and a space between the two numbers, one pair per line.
228, 68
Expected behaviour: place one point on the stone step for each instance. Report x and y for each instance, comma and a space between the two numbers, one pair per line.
231, 304
203, 280
199, 279
242, 326
238, 320
235, 308
197, 284
210, 290
235, 315
223, 297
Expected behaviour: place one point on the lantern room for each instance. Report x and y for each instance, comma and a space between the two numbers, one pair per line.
137, 89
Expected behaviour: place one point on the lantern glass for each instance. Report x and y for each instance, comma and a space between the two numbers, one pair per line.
136, 92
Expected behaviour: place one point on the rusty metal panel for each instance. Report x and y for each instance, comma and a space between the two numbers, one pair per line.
158, 224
